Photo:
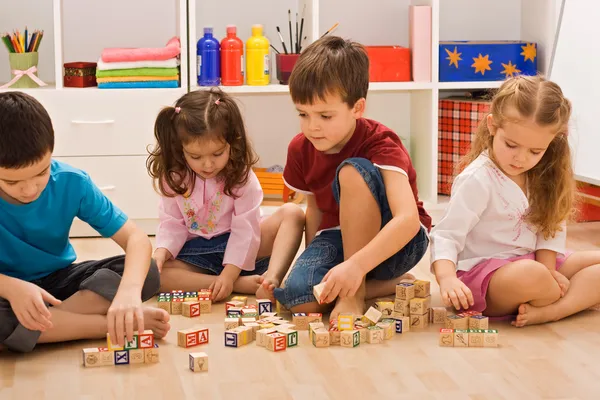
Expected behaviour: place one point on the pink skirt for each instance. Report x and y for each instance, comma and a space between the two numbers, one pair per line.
478, 278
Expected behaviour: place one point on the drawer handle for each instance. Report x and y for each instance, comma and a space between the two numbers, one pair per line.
107, 188
101, 122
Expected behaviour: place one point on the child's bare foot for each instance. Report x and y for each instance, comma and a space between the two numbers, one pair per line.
347, 305
265, 290
530, 315
157, 320
247, 284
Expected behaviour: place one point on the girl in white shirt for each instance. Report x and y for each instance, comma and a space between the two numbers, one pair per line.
500, 248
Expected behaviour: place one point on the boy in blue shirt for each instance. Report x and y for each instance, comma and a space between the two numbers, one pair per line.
44, 296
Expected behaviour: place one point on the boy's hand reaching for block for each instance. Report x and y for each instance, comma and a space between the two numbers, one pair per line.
343, 280
125, 309
28, 303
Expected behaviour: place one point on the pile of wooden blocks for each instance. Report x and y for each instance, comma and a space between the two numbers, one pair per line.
468, 329
141, 350
413, 301
188, 304
192, 337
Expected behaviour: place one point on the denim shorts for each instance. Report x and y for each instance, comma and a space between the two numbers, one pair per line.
326, 250
208, 254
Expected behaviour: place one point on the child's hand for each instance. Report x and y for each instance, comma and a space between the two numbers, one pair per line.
160, 256
455, 293
125, 309
28, 305
563, 282
343, 280
222, 287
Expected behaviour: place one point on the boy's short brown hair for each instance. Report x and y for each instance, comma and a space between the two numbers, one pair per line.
331, 65
26, 133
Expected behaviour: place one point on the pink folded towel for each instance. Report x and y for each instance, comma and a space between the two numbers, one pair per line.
171, 50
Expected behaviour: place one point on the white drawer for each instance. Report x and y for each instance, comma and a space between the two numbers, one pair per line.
105, 122
124, 180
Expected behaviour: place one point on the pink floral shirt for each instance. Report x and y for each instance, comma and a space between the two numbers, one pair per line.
208, 212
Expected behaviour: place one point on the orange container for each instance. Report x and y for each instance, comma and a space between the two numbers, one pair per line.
389, 63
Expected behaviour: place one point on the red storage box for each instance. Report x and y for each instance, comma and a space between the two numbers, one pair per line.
457, 124
589, 206
389, 63
80, 74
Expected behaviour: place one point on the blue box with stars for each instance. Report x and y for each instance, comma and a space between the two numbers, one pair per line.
468, 61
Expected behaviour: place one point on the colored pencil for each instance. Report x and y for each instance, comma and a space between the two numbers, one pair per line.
17, 42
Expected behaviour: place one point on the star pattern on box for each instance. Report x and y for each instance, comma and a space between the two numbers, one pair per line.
453, 56
529, 52
510, 69
482, 64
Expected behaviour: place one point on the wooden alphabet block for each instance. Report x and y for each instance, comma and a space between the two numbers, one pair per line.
375, 335
205, 305
122, 357
334, 336
264, 306
350, 338
191, 309
232, 339
136, 356
402, 307
478, 322
402, 324
317, 290
363, 332
476, 337
177, 306
398, 315
420, 305
461, 338
133, 344
234, 304
385, 307
231, 323
164, 303
372, 316
187, 338
313, 317
268, 314
291, 337
457, 322
389, 327
266, 326
320, 337
234, 312
241, 299
198, 362
438, 315
278, 322
98, 357
300, 320
311, 328
419, 321
446, 337
490, 338
146, 339
405, 291
254, 326
151, 356
245, 321
261, 336
422, 288
345, 322
276, 342
112, 346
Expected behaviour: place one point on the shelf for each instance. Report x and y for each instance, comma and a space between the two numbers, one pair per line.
470, 85
277, 88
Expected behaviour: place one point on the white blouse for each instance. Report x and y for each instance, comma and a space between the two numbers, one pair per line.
486, 219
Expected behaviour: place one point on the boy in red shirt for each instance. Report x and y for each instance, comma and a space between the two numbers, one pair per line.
365, 225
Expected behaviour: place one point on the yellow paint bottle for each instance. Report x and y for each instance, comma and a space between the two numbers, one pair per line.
258, 64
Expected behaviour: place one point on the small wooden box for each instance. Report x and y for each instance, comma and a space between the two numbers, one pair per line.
80, 74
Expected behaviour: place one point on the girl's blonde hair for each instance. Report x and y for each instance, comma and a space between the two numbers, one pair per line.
550, 184
202, 114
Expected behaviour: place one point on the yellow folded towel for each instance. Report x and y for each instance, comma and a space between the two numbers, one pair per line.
137, 78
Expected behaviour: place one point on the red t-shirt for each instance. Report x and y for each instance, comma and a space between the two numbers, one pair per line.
311, 171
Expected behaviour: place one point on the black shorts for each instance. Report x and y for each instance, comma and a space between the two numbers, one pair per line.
102, 277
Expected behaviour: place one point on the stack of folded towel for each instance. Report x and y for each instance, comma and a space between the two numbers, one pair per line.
137, 68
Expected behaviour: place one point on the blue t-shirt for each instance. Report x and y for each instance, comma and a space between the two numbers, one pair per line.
34, 237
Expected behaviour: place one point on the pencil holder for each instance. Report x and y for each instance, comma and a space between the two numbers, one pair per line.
285, 65
21, 68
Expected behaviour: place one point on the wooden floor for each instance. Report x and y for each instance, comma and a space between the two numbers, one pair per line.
554, 361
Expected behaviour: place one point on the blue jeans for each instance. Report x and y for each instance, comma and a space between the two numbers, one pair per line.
326, 250
208, 254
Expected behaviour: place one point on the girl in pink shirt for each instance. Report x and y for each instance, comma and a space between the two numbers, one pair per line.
211, 233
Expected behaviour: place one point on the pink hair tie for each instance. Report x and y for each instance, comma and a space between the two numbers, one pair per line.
177, 110
218, 101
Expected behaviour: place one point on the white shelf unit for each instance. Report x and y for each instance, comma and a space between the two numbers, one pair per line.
118, 124
103, 131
